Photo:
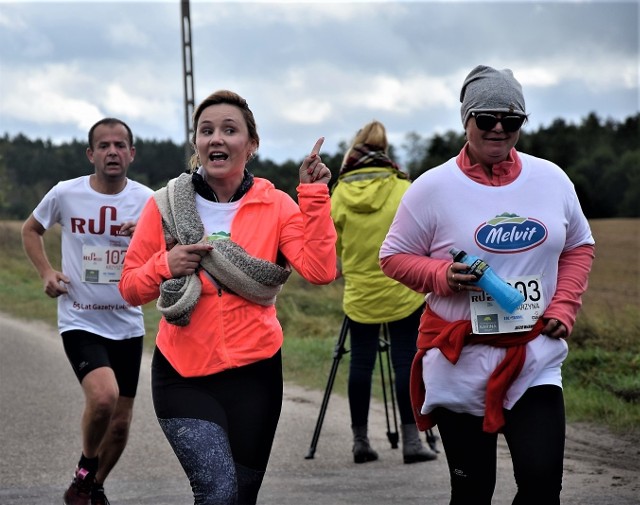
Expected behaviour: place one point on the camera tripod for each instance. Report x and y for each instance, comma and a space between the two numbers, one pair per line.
384, 364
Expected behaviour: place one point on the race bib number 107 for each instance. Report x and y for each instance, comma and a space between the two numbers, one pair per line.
102, 265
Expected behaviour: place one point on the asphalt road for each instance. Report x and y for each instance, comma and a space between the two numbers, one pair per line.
41, 402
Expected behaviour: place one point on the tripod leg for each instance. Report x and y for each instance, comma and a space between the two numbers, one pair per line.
387, 336
383, 348
338, 352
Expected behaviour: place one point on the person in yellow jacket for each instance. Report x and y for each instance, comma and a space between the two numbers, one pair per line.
363, 204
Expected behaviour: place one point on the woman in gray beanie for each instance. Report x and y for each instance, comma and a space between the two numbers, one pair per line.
480, 370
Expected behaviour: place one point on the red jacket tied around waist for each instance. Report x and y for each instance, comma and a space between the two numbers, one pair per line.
450, 338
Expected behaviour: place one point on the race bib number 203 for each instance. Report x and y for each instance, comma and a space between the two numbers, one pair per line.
488, 317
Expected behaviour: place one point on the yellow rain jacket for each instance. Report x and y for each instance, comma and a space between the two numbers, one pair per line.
363, 204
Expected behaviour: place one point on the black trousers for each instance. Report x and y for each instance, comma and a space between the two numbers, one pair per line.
535, 433
364, 339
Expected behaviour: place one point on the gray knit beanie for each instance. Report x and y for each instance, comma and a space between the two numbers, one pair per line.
489, 90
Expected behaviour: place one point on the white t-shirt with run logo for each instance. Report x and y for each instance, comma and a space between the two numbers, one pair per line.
92, 255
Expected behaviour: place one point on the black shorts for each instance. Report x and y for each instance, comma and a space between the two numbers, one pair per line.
88, 351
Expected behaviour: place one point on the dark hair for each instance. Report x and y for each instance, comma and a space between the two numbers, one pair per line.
110, 121
217, 98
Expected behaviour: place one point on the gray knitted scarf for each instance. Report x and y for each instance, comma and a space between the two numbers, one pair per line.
229, 265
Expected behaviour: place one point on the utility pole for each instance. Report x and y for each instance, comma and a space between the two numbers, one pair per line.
187, 72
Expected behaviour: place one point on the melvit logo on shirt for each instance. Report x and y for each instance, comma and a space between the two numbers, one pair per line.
509, 233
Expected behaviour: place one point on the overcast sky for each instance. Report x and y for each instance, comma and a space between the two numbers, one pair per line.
309, 69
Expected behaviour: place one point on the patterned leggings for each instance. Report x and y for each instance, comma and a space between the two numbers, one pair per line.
221, 427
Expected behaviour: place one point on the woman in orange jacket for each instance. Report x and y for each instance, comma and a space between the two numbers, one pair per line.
214, 247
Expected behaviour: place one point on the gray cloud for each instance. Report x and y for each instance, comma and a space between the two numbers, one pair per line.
309, 69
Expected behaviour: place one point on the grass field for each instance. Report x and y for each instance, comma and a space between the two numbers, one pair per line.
601, 374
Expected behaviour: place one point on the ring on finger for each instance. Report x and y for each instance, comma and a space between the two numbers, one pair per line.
459, 286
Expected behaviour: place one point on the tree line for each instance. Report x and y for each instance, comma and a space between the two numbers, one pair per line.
602, 158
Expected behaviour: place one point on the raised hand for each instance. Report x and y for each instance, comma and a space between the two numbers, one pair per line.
312, 170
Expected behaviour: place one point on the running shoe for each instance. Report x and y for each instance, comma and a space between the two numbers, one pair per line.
97, 496
79, 491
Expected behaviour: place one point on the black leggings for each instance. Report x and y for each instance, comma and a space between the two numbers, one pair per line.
535, 434
364, 340
220, 426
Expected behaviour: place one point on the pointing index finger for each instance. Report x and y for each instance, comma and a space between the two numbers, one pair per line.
198, 247
316, 148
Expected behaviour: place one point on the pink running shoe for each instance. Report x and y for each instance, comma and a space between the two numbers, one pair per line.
79, 491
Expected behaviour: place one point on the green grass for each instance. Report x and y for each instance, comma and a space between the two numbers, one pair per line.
601, 374
21, 290
603, 386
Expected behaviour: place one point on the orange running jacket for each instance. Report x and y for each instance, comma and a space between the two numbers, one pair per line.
226, 330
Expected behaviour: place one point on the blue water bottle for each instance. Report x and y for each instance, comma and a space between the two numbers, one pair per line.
508, 297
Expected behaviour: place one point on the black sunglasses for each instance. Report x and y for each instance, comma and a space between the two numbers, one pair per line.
487, 122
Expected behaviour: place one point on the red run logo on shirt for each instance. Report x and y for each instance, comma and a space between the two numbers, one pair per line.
90, 226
